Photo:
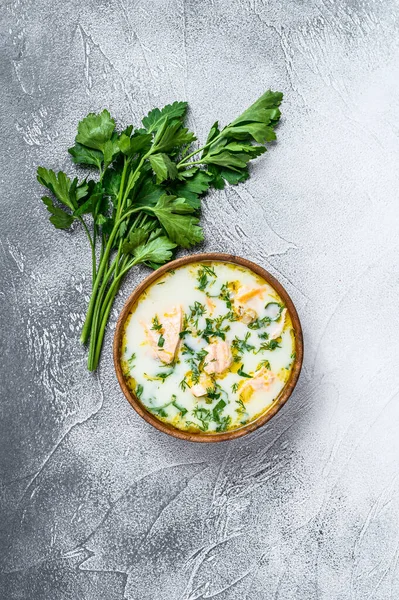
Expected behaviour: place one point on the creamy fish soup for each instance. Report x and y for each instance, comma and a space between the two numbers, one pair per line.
208, 347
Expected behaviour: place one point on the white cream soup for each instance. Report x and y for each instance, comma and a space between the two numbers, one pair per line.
208, 347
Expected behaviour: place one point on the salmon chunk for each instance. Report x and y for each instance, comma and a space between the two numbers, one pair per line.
171, 323
261, 381
219, 357
200, 388
246, 293
276, 328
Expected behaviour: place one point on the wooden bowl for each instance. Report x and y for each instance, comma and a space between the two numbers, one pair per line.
285, 392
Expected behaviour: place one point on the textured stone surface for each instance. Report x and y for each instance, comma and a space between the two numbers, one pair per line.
96, 504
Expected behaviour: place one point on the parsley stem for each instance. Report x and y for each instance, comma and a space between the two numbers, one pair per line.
93, 249
189, 164
98, 340
106, 306
183, 162
87, 329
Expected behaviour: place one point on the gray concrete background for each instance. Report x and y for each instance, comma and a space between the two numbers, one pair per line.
97, 505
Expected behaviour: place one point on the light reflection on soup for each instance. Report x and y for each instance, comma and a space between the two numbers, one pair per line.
208, 347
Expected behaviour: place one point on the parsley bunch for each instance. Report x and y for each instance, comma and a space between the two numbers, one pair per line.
144, 201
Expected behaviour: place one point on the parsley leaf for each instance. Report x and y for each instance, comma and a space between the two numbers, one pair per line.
156, 251
163, 167
193, 188
60, 219
62, 187
94, 131
86, 156
155, 117
181, 227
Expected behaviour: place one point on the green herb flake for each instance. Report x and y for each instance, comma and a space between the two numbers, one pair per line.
259, 323
196, 311
156, 326
263, 336
204, 416
280, 308
265, 364
242, 373
225, 295
180, 408
223, 424
241, 406
202, 276
187, 350
213, 393
183, 385
242, 345
272, 345
131, 359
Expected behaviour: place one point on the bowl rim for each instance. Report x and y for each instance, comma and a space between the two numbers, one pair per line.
284, 394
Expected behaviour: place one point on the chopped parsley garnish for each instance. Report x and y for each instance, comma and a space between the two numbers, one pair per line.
156, 325
242, 373
225, 295
159, 376
259, 323
204, 416
185, 329
280, 308
161, 341
224, 423
242, 345
201, 354
212, 393
183, 385
241, 406
196, 312
160, 410
217, 410
180, 408
195, 372
263, 336
231, 316
139, 390
183, 333
234, 387
202, 277
213, 328
187, 350
272, 345
131, 359
264, 363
